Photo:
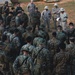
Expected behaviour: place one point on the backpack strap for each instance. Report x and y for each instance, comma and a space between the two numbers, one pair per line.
25, 60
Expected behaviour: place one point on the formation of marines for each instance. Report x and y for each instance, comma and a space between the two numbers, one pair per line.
28, 46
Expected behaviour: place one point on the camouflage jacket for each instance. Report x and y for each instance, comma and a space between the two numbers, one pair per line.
60, 62
53, 45
23, 64
41, 58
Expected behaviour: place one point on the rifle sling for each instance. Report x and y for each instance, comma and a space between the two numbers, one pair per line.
23, 61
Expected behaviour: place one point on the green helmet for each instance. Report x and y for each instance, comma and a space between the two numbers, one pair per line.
41, 41
41, 34
25, 48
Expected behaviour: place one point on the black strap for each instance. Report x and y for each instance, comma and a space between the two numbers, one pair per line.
25, 60
38, 53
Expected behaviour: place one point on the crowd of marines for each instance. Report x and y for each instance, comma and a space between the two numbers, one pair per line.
28, 45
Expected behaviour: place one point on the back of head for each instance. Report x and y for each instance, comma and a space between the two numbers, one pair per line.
62, 46
54, 34
28, 28
71, 24
16, 31
29, 39
59, 27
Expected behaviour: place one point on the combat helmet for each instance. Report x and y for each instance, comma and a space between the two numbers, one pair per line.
25, 48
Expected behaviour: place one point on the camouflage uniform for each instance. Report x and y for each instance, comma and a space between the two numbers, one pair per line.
46, 16
1, 29
6, 8
71, 49
7, 49
30, 47
41, 59
18, 8
21, 28
60, 35
28, 33
55, 13
8, 19
4, 63
60, 63
61, 60
24, 18
18, 18
15, 46
23, 64
44, 34
70, 31
37, 40
35, 19
31, 9
53, 46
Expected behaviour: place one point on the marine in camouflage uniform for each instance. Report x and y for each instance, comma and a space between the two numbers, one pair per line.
71, 49
29, 45
41, 57
70, 31
8, 19
21, 27
8, 52
23, 64
60, 33
1, 28
31, 8
4, 63
15, 44
38, 38
45, 33
18, 18
35, 19
18, 8
28, 33
52, 45
6, 8
24, 18
60, 61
